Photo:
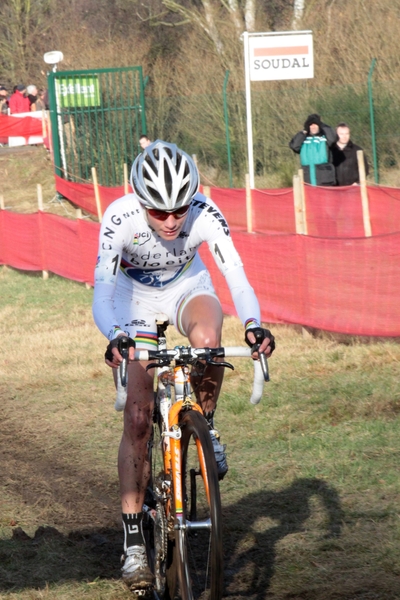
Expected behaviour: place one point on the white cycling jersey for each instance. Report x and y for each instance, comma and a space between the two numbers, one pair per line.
133, 261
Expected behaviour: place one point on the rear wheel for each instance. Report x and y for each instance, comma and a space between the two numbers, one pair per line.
198, 544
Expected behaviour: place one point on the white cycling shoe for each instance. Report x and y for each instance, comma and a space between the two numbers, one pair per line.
135, 571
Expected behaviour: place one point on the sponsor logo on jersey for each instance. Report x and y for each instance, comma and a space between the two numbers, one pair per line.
137, 322
141, 238
215, 213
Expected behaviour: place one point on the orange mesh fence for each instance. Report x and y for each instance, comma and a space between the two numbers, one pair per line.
384, 208
341, 286
348, 286
232, 203
82, 194
334, 212
273, 211
330, 212
43, 242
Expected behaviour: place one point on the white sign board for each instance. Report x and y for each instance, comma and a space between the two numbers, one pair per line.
273, 57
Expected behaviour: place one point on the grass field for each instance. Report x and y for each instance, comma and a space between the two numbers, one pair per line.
311, 501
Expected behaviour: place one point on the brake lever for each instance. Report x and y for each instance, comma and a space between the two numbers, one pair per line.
220, 364
123, 348
264, 365
160, 363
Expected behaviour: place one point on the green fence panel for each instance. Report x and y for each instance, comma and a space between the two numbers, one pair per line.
97, 118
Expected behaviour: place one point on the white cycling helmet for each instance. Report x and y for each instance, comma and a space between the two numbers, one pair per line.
164, 177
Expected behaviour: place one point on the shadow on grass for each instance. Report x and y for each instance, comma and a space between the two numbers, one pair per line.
51, 557
250, 550
87, 555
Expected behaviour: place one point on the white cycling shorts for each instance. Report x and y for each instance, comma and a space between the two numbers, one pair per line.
136, 309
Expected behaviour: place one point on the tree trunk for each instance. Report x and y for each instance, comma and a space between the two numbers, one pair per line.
250, 15
298, 11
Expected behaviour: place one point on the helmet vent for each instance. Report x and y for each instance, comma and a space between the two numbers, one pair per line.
164, 177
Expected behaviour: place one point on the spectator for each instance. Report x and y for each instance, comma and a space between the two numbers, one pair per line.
314, 145
3, 100
344, 154
144, 141
41, 100
32, 95
18, 102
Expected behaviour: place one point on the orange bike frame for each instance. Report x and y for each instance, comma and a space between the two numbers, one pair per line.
172, 450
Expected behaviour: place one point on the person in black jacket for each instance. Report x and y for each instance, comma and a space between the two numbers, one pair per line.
314, 145
344, 154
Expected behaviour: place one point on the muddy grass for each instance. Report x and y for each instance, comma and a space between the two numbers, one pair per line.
310, 503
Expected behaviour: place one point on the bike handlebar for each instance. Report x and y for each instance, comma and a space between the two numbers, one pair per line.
188, 355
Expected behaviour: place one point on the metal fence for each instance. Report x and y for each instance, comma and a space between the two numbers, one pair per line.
279, 111
97, 117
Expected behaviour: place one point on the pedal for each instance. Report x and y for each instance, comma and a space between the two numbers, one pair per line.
142, 593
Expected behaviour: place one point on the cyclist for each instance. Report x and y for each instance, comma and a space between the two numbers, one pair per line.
148, 263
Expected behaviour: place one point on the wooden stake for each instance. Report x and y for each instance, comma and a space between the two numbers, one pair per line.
364, 194
40, 196
97, 194
298, 205
78, 214
50, 138
249, 206
2, 207
300, 218
303, 201
126, 180
44, 124
45, 274
207, 191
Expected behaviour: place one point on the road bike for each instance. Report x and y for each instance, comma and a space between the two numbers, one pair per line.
183, 503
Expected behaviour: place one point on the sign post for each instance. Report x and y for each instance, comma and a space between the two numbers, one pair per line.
270, 57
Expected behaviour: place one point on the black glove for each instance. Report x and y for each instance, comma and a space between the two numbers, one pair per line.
121, 342
260, 334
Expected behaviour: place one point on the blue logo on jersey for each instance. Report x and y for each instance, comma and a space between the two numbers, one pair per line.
156, 278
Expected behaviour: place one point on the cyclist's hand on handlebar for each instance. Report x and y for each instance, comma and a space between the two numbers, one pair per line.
113, 355
260, 340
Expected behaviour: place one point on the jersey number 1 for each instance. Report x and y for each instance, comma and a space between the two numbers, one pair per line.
115, 261
218, 253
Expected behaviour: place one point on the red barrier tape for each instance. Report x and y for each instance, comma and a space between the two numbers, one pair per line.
330, 212
342, 285
20, 126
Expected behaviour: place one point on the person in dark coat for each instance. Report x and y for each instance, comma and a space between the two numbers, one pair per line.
314, 145
344, 154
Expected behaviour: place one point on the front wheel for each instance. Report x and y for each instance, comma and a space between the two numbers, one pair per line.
198, 544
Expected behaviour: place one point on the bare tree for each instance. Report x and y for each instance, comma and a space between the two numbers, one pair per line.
22, 22
298, 12
212, 13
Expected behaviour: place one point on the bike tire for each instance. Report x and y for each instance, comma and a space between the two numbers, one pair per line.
199, 552
161, 543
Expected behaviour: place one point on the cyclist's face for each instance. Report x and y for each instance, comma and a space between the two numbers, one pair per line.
167, 225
